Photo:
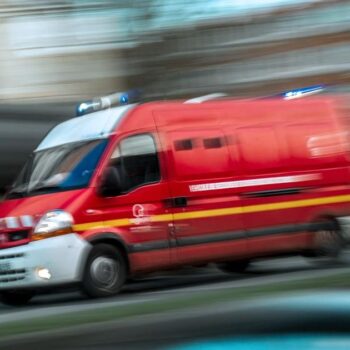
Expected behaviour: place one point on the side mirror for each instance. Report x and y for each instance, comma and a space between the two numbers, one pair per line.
110, 184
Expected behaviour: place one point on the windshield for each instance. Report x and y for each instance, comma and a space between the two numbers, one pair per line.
61, 168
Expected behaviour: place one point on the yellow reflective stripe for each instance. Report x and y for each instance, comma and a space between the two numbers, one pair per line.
296, 204
88, 226
101, 224
218, 212
118, 223
162, 217
208, 213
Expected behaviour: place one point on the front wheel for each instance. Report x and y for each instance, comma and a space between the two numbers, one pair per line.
16, 298
105, 271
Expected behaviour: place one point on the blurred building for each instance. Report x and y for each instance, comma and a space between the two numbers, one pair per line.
54, 53
72, 49
60, 50
258, 53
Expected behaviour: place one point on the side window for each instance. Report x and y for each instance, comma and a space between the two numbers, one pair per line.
134, 163
199, 154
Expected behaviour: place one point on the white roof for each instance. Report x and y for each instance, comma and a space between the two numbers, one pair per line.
92, 126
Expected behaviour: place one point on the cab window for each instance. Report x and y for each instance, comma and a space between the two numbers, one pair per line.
133, 163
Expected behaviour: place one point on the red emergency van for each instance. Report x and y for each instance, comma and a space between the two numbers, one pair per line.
138, 188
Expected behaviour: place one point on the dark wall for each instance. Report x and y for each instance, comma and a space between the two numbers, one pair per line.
21, 129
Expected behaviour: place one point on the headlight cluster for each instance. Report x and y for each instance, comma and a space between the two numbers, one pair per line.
54, 223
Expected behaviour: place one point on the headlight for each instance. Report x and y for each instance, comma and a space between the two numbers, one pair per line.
53, 223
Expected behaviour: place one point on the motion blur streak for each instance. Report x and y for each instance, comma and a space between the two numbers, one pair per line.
56, 53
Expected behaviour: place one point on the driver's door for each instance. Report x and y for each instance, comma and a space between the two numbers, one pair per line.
137, 209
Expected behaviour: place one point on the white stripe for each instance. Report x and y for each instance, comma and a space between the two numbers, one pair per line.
253, 182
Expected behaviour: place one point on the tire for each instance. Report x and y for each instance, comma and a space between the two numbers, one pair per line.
16, 298
238, 266
328, 245
105, 271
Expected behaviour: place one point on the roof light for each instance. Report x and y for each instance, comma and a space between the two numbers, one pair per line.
124, 99
206, 98
105, 102
86, 107
310, 90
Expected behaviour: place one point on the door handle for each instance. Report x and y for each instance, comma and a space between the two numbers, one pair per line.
176, 202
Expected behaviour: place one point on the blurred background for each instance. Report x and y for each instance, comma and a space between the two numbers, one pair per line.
56, 53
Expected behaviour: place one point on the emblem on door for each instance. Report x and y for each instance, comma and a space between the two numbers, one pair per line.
138, 211
139, 214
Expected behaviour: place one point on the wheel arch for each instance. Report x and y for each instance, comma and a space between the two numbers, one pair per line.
113, 240
325, 220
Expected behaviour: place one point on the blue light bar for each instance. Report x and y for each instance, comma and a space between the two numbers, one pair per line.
298, 93
86, 108
106, 102
130, 96
124, 99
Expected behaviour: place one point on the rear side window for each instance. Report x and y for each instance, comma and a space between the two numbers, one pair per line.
136, 162
199, 154
316, 144
183, 145
215, 142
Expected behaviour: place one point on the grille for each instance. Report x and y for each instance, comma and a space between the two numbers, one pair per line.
12, 279
14, 236
11, 256
12, 272
7, 271
12, 275
18, 235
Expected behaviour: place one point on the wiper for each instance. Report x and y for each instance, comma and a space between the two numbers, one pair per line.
13, 194
44, 188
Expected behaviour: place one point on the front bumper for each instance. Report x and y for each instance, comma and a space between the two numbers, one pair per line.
63, 256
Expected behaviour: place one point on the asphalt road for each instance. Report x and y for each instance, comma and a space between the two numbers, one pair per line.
324, 312
272, 323
174, 283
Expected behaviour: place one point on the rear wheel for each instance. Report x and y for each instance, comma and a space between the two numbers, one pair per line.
328, 245
105, 271
16, 298
238, 266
